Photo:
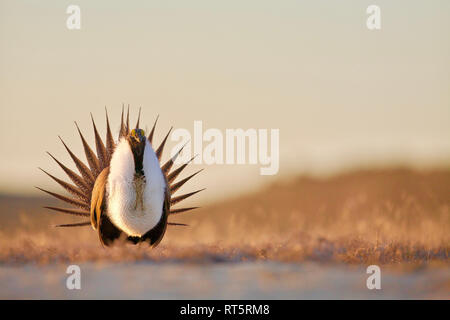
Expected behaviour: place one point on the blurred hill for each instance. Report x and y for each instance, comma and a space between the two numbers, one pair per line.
383, 216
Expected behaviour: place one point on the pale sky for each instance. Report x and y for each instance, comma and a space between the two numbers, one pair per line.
342, 96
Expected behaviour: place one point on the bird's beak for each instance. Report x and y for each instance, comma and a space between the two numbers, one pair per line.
137, 141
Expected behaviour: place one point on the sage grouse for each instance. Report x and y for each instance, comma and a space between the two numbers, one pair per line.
124, 190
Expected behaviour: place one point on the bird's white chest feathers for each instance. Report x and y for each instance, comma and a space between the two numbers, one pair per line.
134, 205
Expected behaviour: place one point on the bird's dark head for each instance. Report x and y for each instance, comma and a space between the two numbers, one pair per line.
137, 140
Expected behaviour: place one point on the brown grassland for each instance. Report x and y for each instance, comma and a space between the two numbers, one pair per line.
385, 216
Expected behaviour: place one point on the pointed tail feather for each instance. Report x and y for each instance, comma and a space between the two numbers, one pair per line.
139, 118
181, 210
173, 175
110, 145
81, 224
122, 132
184, 196
100, 147
68, 187
160, 149
177, 224
82, 168
90, 155
79, 182
72, 201
76, 212
168, 165
150, 136
127, 126
176, 186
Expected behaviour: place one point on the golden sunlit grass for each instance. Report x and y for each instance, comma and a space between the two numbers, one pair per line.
383, 216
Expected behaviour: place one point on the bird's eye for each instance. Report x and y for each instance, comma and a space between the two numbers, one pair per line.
137, 133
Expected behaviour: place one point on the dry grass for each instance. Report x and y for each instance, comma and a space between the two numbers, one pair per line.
385, 217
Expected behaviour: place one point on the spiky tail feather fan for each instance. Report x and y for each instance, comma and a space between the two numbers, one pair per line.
83, 183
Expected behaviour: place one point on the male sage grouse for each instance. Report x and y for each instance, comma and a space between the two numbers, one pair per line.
124, 190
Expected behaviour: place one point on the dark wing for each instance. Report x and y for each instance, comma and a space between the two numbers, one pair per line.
98, 201
107, 231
